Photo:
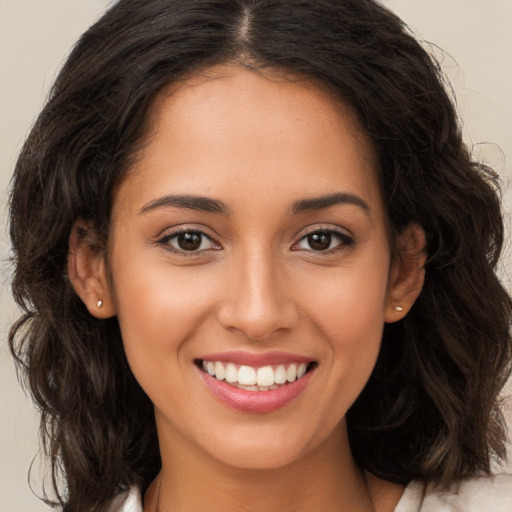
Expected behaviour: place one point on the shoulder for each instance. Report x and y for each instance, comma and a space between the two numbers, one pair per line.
127, 502
483, 494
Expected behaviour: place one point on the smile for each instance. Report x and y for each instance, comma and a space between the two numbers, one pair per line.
262, 385
251, 378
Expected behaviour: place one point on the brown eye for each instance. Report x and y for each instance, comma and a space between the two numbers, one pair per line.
324, 241
320, 241
189, 241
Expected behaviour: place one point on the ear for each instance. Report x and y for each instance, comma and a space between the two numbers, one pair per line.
407, 273
87, 271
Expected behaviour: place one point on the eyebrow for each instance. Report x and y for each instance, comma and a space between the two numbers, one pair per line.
318, 203
209, 205
198, 203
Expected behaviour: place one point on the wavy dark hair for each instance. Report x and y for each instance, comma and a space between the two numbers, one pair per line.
430, 409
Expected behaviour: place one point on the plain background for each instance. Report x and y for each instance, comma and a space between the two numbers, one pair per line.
35, 37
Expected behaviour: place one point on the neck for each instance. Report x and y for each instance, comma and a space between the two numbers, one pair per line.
326, 478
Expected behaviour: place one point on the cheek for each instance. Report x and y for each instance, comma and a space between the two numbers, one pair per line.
350, 301
354, 331
158, 311
347, 310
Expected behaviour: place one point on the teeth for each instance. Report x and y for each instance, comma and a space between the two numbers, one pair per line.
220, 373
246, 376
265, 376
291, 373
231, 373
280, 375
255, 379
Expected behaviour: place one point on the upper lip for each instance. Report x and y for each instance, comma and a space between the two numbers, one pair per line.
256, 360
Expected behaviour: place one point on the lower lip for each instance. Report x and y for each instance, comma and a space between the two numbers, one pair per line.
256, 401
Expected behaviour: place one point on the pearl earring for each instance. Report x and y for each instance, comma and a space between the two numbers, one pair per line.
398, 308
100, 303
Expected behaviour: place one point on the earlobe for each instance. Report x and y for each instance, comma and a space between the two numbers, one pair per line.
407, 273
87, 272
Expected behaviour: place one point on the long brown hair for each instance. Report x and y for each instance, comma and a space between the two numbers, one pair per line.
430, 409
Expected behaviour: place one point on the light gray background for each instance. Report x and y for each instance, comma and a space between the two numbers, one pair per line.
35, 37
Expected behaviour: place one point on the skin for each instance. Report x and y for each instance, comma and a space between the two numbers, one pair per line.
258, 145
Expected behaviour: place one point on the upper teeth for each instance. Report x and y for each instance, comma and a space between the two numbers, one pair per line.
249, 376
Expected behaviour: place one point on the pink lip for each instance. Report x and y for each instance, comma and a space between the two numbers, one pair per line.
255, 401
256, 360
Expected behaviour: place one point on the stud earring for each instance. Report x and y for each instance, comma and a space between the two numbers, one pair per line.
398, 308
100, 303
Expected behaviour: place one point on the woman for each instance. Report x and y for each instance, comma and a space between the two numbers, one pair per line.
257, 267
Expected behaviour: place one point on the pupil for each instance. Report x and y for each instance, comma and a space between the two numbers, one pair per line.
189, 241
319, 241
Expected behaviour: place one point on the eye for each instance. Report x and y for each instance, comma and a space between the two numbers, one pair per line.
324, 240
188, 241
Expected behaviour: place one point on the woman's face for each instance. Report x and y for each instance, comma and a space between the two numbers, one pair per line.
249, 242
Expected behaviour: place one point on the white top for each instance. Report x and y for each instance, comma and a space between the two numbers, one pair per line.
485, 494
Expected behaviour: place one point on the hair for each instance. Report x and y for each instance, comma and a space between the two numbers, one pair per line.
430, 409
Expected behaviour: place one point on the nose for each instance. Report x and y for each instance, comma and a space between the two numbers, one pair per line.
258, 300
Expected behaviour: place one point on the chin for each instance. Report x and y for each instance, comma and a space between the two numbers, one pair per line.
259, 459
262, 449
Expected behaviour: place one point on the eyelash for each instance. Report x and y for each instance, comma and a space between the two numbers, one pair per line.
345, 241
166, 239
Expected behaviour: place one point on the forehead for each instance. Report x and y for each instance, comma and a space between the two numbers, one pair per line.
258, 96
230, 124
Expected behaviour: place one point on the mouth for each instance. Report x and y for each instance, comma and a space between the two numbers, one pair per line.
253, 378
